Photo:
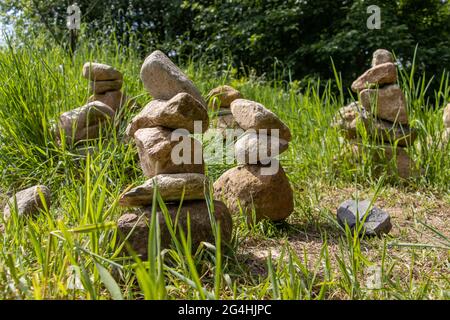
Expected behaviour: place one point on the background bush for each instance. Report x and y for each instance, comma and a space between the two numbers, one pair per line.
299, 37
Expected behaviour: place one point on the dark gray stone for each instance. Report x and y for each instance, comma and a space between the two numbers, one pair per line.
377, 222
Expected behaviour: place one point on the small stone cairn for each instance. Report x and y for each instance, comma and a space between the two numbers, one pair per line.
177, 104
84, 123
381, 111
255, 186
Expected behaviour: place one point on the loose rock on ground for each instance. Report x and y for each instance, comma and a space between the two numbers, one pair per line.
28, 201
375, 221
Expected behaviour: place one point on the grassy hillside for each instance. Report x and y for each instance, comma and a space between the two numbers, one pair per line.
307, 257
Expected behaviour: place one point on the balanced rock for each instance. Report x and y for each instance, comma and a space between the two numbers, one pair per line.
99, 87
28, 201
381, 56
162, 151
84, 122
253, 115
136, 225
182, 111
376, 221
100, 72
257, 147
446, 116
387, 103
385, 73
245, 187
114, 99
190, 186
163, 79
223, 96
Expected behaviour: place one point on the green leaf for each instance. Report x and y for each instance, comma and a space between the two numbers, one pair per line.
109, 282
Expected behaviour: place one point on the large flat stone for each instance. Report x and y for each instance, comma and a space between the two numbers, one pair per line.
390, 133
381, 74
170, 187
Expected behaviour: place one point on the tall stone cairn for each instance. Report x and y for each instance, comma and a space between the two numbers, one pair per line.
176, 104
382, 111
261, 193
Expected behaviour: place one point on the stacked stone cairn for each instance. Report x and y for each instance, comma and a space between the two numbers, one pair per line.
176, 111
258, 185
84, 123
220, 100
382, 112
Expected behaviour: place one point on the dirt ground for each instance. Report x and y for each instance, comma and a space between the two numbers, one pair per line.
406, 210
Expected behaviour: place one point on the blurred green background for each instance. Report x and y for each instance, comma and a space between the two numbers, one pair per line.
297, 38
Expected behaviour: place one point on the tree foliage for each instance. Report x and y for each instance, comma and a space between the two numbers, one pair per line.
303, 34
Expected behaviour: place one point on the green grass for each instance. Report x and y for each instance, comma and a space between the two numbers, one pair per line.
307, 257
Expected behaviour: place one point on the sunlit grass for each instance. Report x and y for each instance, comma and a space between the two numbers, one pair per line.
76, 239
